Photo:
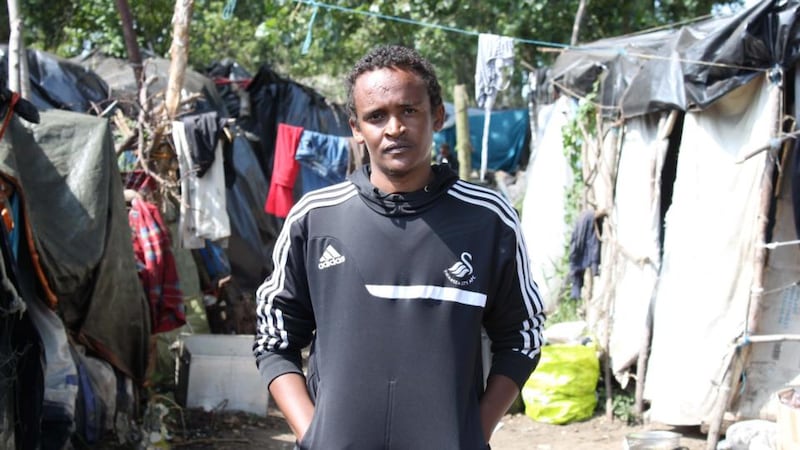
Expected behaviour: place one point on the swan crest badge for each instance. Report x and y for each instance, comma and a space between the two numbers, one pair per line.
461, 273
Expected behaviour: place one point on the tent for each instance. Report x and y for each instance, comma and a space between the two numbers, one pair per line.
694, 172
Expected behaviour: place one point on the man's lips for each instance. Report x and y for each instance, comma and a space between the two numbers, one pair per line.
396, 147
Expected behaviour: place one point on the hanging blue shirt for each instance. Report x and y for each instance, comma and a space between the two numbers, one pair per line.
322, 158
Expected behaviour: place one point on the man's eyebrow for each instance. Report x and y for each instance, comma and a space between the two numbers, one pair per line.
368, 111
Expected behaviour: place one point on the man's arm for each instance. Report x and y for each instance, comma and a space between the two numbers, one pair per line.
290, 394
501, 391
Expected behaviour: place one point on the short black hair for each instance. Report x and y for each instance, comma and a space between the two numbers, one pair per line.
394, 56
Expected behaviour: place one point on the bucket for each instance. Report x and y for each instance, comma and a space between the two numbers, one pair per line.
652, 440
788, 419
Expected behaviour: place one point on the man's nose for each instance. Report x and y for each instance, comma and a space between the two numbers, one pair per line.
395, 127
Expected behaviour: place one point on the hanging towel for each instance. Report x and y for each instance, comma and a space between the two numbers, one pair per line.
495, 59
284, 171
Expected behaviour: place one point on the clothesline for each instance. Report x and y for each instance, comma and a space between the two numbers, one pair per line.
547, 46
420, 23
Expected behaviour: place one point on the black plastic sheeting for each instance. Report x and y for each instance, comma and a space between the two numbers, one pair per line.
229, 76
686, 68
275, 100
57, 83
253, 233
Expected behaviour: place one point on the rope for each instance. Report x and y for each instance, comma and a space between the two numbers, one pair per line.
546, 44
420, 23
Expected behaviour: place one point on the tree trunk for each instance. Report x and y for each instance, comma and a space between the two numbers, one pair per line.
134, 56
576, 27
17, 60
463, 145
179, 53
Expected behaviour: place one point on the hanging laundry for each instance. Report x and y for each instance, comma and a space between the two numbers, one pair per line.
323, 159
203, 205
156, 266
493, 69
284, 171
203, 132
584, 251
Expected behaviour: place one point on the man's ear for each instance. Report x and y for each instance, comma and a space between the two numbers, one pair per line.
438, 117
356, 130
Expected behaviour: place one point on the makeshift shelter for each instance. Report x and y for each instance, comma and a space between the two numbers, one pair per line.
509, 135
119, 77
58, 83
69, 248
693, 171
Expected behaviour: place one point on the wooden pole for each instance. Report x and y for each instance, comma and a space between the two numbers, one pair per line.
463, 145
733, 372
576, 26
134, 56
179, 53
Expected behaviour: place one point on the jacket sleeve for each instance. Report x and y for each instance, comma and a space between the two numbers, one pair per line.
285, 319
514, 317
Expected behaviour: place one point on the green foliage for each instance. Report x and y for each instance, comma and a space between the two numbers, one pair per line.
623, 403
623, 408
568, 310
583, 125
273, 31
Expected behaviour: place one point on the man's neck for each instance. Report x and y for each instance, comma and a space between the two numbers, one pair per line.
408, 183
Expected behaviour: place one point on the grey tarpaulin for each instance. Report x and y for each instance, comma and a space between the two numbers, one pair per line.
72, 188
662, 70
118, 74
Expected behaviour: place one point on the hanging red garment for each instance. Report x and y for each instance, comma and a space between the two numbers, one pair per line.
284, 171
155, 264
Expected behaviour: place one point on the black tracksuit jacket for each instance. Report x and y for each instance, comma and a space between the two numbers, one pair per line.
393, 290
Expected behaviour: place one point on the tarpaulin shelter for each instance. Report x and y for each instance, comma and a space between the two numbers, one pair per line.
118, 75
694, 172
58, 83
509, 134
71, 260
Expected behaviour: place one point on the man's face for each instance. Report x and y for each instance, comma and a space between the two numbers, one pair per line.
395, 121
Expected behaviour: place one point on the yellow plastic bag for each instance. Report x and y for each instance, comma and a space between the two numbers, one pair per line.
562, 388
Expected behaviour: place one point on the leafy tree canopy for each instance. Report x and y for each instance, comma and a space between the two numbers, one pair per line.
273, 32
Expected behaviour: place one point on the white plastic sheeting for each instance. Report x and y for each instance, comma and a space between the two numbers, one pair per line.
707, 270
633, 248
773, 366
543, 207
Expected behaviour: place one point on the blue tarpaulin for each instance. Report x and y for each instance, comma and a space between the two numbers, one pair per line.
508, 131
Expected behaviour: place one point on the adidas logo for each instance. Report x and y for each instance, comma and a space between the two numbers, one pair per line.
330, 258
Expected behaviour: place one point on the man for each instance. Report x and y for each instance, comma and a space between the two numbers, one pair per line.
390, 275
446, 157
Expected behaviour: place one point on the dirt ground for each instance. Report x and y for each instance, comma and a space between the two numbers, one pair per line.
232, 431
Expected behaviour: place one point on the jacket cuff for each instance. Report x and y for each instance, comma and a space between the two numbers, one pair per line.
514, 365
272, 365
